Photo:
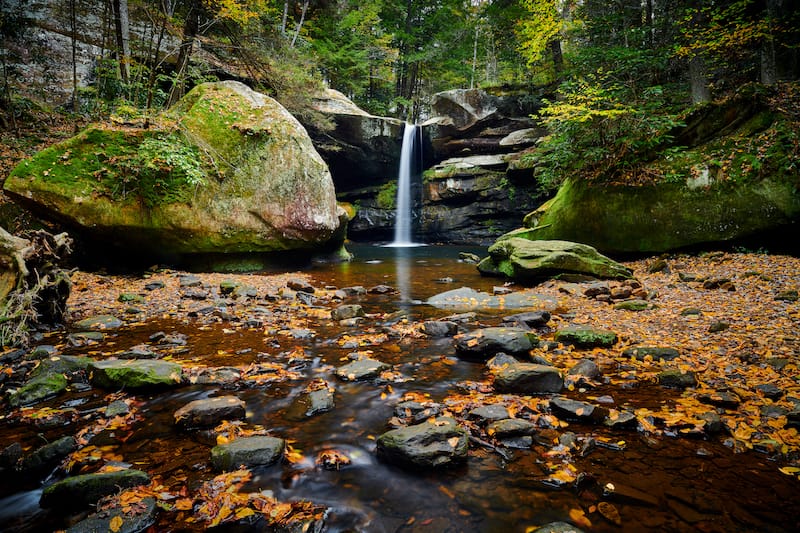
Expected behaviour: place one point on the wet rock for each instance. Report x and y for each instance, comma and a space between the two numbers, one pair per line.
444, 280
135, 374
688, 277
38, 389
659, 265
154, 285
470, 258
344, 312
467, 299
632, 305
10, 455
558, 527
416, 412
43, 459
79, 492
624, 493
436, 444
364, 368
621, 420
510, 427
535, 319
44, 351
777, 363
769, 390
528, 378
130, 297
117, 408
98, 323
713, 423
301, 333
133, 521
221, 375
351, 322
620, 293
439, 328
227, 287
210, 411
248, 451
657, 354
586, 368
718, 326
676, 379
578, 411
583, 337
356, 290
724, 399
305, 297
381, 289
501, 290
718, 283
172, 339
189, 280
63, 364
691, 311
488, 413
140, 351
319, 401
500, 360
482, 344
84, 338
593, 290
194, 294
300, 285
787, 296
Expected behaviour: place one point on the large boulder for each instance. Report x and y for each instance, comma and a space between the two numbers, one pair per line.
361, 148
227, 169
663, 216
527, 260
78, 492
135, 374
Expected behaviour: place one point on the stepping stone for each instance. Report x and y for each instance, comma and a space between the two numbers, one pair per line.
100, 322
247, 451
135, 374
361, 369
582, 337
78, 492
210, 411
484, 343
436, 444
528, 378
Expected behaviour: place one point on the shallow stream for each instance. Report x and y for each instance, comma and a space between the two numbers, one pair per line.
662, 483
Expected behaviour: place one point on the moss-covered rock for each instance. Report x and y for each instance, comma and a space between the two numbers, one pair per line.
662, 216
225, 170
435, 444
584, 337
527, 260
38, 389
79, 492
135, 374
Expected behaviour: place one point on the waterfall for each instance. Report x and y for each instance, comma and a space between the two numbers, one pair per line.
402, 222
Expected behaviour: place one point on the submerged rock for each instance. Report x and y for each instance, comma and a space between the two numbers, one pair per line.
247, 451
484, 343
97, 323
434, 444
528, 260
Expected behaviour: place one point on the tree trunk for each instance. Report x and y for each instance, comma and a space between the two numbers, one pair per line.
73, 22
168, 10
698, 78
299, 23
122, 36
769, 64
190, 28
285, 16
558, 56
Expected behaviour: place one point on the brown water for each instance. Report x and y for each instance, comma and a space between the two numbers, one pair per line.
662, 484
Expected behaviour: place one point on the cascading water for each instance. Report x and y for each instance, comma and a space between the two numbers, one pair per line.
402, 224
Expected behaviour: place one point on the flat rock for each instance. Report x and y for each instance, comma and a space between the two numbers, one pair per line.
344, 312
527, 260
488, 413
133, 521
439, 328
433, 444
135, 374
533, 319
632, 305
574, 410
586, 368
676, 379
558, 527
210, 411
78, 492
510, 427
247, 451
99, 322
468, 299
361, 369
528, 378
481, 344
319, 401
416, 412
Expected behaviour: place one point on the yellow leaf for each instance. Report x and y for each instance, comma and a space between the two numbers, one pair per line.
115, 524
579, 518
453, 441
789, 470
610, 513
244, 512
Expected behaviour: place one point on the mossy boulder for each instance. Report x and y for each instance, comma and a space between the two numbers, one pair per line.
135, 374
437, 443
662, 216
583, 337
528, 260
226, 170
38, 389
79, 492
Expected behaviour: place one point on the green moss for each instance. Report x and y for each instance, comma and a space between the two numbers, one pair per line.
387, 196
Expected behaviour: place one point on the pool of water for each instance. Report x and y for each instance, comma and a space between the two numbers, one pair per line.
662, 484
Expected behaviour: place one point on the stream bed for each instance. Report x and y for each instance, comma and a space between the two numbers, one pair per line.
659, 481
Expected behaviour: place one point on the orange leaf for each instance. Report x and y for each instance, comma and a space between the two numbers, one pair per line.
115, 524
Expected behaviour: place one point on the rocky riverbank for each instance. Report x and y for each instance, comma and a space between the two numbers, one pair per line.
700, 347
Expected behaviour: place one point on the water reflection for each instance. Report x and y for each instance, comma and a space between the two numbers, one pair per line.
402, 268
